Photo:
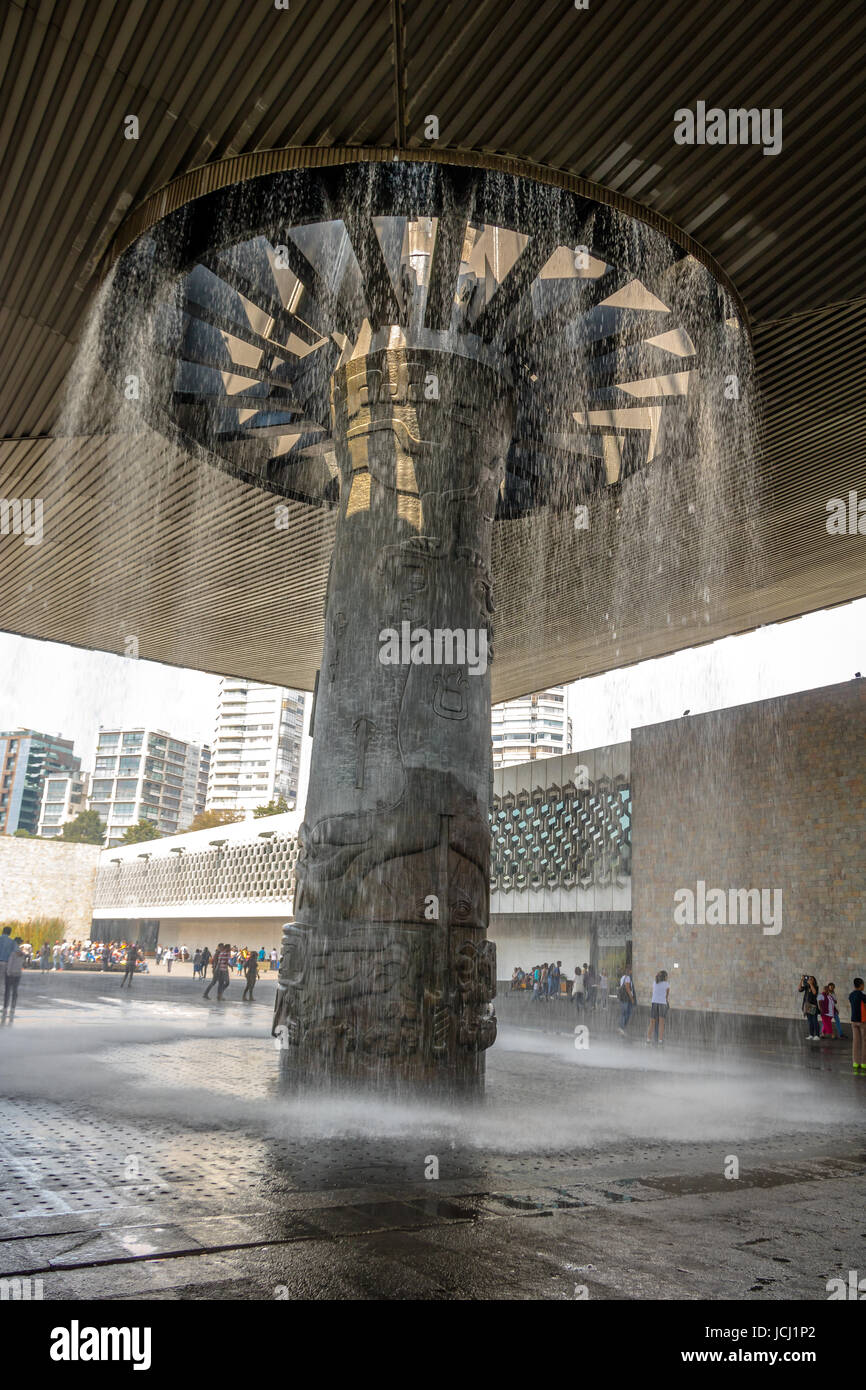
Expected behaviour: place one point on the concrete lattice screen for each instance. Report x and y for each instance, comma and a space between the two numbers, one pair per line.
247, 872
555, 836
562, 837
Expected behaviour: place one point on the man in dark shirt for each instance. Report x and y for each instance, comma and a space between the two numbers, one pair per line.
251, 971
857, 1000
131, 963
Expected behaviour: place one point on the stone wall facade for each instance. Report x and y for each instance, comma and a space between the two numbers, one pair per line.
768, 796
48, 878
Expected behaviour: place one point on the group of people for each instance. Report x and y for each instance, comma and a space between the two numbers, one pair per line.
225, 959
63, 954
588, 990
168, 955
239, 957
821, 1010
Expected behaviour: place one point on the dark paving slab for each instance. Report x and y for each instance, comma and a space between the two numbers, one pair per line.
149, 1151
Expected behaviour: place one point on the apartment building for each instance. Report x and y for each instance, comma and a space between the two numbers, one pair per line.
26, 759
534, 726
256, 747
147, 774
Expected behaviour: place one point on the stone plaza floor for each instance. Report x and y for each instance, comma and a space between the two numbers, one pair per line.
149, 1151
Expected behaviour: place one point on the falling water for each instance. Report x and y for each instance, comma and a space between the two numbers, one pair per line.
672, 542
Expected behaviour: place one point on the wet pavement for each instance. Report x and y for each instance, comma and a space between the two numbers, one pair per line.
150, 1151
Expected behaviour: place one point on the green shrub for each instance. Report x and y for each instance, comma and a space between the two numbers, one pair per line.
38, 930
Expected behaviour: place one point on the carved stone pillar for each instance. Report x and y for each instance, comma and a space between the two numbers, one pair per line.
386, 970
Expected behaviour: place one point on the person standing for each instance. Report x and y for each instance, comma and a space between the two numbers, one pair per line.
131, 963
857, 1000
578, 993
837, 1022
169, 961
603, 987
659, 1009
809, 990
627, 1000
12, 979
7, 946
45, 956
275, 960
251, 971
196, 964
827, 1006
205, 958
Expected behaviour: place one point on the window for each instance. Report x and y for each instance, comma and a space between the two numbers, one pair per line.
101, 809
106, 764
128, 787
107, 741
129, 764
102, 788
132, 741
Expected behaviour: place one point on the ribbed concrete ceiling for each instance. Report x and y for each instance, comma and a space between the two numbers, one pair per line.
188, 561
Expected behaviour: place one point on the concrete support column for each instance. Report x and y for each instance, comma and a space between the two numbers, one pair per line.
386, 969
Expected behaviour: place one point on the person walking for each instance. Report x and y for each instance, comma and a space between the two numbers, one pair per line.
221, 972
205, 958
196, 964
12, 979
627, 1000
131, 963
251, 971
275, 959
659, 1009
809, 990
857, 1000
169, 962
553, 981
215, 958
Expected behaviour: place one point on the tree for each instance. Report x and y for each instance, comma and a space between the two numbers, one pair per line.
86, 829
211, 820
141, 831
25, 834
273, 808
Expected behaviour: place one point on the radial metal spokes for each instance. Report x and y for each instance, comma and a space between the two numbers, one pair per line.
583, 311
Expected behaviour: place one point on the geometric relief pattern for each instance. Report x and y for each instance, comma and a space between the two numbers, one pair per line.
562, 837
259, 870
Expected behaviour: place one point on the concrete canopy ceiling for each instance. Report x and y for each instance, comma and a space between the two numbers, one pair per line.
145, 544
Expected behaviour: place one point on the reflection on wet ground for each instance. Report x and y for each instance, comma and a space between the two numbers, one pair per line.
150, 1150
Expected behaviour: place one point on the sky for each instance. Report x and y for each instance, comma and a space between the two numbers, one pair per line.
69, 691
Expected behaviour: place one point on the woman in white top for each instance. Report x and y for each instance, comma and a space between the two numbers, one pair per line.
659, 1008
